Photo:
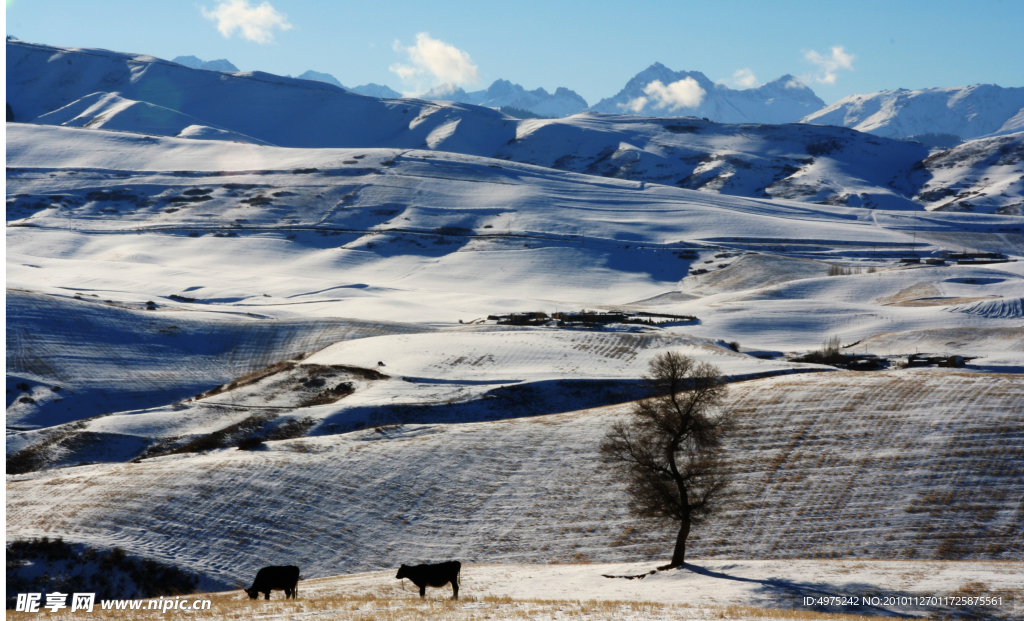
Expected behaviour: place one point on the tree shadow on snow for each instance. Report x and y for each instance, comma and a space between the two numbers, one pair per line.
826, 597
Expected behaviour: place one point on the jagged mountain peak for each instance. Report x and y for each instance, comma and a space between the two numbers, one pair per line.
965, 111
194, 62
658, 71
446, 92
504, 93
787, 81
376, 90
784, 100
321, 77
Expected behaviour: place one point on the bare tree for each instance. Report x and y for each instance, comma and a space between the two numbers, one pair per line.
669, 451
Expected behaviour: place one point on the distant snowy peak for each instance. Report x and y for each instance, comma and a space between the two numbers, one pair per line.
965, 111
503, 93
376, 90
787, 86
636, 85
447, 92
189, 61
320, 77
209, 65
370, 90
784, 100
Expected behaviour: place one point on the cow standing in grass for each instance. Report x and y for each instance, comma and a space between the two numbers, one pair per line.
281, 577
435, 576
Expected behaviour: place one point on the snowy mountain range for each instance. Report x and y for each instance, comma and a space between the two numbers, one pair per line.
370, 90
784, 100
965, 111
376, 90
808, 163
209, 65
502, 93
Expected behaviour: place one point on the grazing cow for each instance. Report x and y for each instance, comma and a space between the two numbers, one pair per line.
281, 577
432, 575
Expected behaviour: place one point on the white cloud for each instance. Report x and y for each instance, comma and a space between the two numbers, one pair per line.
434, 61
635, 105
745, 78
829, 66
256, 23
685, 93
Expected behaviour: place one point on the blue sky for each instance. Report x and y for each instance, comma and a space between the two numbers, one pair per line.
837, 48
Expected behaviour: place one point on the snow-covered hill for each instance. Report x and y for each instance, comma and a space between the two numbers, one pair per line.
797, 162
412, 232
502, 93
984, 175
272, 109
828, 465
785, 100
965, 111
113, 112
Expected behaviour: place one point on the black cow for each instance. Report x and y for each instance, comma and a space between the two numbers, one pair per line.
282, 577
432, 575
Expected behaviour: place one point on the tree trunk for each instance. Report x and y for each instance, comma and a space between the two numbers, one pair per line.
679, 554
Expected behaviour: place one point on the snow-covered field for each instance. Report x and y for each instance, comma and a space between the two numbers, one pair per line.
797, 590
169, 298
829, 465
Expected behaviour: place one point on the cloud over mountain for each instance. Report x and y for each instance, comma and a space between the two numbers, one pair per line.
685, 93
830, 65
256, 23
435, 61
744, 78
659, 91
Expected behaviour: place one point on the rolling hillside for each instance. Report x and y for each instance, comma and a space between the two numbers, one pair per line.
985, 176
135, 262
833, 465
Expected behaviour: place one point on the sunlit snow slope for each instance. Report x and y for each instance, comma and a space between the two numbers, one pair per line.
964, 111
984, 175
